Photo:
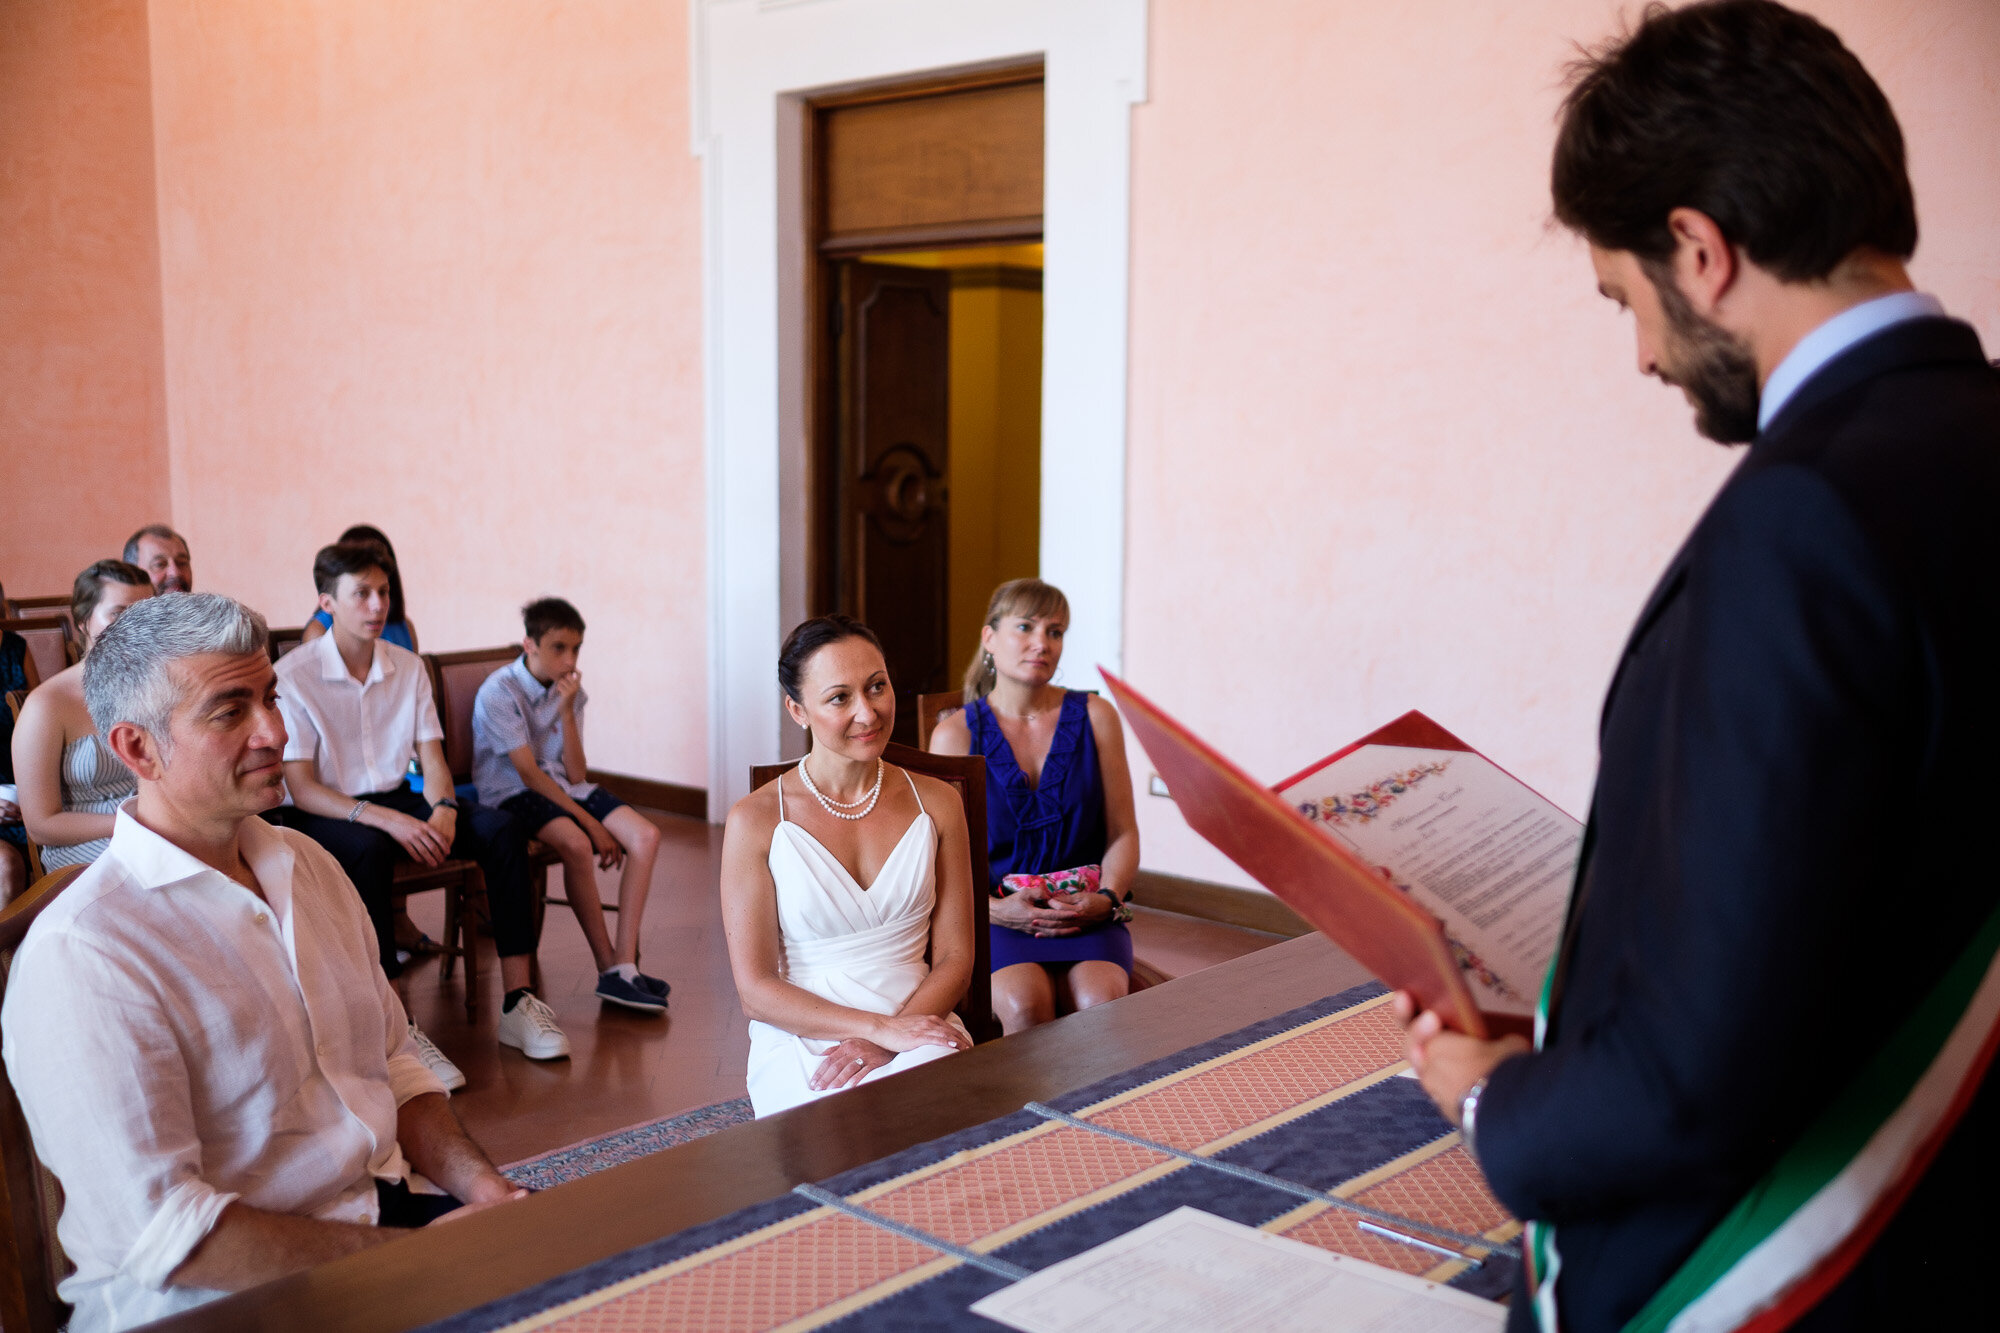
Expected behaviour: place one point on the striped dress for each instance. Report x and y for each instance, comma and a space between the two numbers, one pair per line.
93, 782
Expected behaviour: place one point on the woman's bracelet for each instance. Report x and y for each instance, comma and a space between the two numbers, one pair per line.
355, 813
1120, 909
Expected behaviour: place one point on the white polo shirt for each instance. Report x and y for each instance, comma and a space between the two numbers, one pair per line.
178, 1043
360, 734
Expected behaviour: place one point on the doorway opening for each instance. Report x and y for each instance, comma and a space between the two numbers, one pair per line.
924, 449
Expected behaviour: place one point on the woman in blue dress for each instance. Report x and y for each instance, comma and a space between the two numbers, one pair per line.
399, 630
1061, 833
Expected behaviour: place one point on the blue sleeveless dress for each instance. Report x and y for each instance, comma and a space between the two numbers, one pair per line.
1056, 824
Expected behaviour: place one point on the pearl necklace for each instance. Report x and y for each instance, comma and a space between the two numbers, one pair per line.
866, 802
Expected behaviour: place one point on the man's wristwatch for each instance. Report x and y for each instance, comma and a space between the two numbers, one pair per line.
1468, 1116
448, 803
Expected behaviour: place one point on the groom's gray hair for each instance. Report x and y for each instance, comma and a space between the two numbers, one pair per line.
128, 675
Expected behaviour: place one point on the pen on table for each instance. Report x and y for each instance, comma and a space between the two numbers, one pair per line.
1434, 1248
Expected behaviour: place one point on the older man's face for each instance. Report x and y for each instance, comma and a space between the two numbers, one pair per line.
228, 739
167, 563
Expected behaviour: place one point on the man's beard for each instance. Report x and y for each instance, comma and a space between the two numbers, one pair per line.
1710, 364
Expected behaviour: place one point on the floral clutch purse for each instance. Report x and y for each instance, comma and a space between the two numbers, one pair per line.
1077, 879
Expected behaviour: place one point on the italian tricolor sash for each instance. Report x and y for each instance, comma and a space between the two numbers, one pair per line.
1804, 1226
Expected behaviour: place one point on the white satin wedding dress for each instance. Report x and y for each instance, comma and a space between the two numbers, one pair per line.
859, 947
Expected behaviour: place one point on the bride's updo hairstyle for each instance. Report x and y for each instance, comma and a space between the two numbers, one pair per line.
811, 636
1018, 597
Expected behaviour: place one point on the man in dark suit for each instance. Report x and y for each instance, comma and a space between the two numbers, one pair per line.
1759, 1097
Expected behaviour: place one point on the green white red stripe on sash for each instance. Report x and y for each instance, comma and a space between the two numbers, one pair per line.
1803, 1227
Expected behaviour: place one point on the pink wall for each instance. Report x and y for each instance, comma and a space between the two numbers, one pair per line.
1355, 338
83, 457
436, 266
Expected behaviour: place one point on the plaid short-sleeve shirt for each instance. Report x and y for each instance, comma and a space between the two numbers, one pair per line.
513, 709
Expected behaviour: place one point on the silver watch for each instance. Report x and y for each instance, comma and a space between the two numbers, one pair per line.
1468, 1116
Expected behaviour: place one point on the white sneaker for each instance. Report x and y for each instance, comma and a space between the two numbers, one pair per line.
437, 1061
530, 1028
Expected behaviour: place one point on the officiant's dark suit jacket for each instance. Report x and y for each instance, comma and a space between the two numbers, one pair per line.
1796, 827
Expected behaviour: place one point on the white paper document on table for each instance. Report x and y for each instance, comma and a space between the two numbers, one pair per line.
1191, 1269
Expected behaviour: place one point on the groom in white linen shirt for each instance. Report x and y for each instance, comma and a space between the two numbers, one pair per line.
198, 1029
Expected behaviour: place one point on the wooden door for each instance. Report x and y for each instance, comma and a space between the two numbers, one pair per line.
892, 336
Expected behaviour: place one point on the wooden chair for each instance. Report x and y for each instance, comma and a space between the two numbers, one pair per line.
48, 640
455, 681
15, 699
282, 641
464, 886
931, 708
966, 773
53, 607
31, 1259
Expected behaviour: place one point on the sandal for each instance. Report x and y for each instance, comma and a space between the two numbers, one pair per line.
422, 945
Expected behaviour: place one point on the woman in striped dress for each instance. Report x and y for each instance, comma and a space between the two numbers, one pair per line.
71, 785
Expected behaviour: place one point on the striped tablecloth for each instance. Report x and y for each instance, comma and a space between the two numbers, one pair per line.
1299, 1125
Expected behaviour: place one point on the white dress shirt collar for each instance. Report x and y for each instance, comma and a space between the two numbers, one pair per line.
1830, 339
156, 863
332, 666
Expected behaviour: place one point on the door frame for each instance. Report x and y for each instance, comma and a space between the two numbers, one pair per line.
755, 64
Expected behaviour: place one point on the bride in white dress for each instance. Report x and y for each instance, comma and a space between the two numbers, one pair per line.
846, 889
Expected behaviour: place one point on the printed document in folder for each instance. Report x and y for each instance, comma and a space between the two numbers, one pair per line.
1485, 855
1431, 865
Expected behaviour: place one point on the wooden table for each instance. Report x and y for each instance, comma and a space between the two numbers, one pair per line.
439, 1272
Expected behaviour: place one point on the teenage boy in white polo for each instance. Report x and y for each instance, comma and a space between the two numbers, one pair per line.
357, 710
527, 757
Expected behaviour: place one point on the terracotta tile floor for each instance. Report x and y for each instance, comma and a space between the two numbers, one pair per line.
625, 1067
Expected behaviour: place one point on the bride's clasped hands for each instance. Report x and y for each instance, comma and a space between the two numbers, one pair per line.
851, 1060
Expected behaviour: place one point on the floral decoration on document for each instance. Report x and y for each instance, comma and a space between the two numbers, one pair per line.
1467, 960
1364, 806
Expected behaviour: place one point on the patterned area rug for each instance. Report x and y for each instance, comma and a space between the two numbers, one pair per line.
625, 1145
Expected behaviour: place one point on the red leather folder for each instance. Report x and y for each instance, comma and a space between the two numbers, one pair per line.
1345, 899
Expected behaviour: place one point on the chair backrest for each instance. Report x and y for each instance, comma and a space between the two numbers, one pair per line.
48, 640
967, 775
932, 707
284, 640
53, 607
15, 700
455, 680
31, 1261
